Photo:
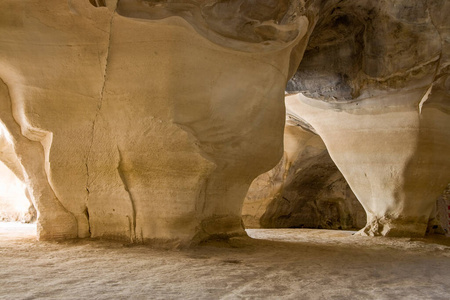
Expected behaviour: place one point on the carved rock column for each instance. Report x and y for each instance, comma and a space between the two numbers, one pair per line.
145, 120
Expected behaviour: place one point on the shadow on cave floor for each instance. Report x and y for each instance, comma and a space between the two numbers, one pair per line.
257, 238
292, 238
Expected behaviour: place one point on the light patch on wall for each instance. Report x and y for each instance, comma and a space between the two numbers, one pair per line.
14, 205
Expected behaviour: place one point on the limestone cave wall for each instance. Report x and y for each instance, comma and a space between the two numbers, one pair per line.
374, 84
305, 190
147, 121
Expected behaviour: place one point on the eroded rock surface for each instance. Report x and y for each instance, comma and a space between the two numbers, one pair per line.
144, 120
148, 120
304, 190
375, 85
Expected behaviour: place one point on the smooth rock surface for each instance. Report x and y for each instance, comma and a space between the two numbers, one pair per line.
144, 121
148, 120
395, 173
384, 114
304, 190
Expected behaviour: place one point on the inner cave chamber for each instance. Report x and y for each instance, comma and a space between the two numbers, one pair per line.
148, 121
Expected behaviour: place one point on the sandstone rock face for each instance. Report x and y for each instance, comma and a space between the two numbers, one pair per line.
384, 110
144, 120
148, 120
304, 190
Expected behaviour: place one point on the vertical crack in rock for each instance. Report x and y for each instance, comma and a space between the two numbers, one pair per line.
132, 223
99, 107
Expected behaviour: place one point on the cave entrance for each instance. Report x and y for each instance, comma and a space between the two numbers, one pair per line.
14, 203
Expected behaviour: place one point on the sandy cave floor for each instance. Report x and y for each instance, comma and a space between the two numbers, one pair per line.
279, 263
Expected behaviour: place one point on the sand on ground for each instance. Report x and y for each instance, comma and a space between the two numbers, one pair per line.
274, 264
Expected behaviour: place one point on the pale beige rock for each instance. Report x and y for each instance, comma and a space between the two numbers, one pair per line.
304, 190
388, 159
144, 121
148, 120
384, 114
